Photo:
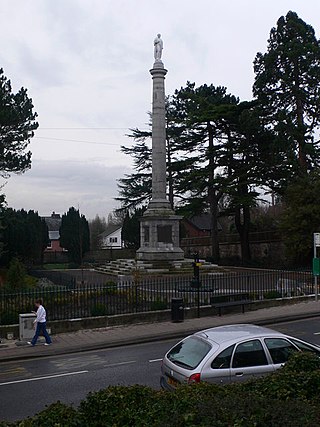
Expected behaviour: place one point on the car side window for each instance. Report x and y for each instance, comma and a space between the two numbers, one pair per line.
305, 347
222, 361
249, 353
280, 349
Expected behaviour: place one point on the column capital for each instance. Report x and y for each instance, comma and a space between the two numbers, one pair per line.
158, 72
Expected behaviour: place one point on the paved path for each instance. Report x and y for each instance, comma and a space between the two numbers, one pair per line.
145, 332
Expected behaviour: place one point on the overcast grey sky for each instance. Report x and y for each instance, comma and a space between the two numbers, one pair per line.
86, 66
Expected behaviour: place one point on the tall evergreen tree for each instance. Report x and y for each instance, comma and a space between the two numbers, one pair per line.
242, 158
287, 88
202, 143
25, 236
131, 229
135, 188
17, 125
75, 235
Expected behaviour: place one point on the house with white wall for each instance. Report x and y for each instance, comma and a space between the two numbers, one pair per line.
111, 238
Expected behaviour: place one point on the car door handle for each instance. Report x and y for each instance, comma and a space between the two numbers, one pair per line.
239, 374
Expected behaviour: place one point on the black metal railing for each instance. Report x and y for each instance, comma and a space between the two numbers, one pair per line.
149, 294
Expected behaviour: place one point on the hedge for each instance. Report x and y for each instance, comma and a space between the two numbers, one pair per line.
290, 397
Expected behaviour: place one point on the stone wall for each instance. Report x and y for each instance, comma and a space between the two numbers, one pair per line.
271, 253
266, 247
104, 255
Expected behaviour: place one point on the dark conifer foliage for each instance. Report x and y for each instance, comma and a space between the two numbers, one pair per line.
17, 126
75, 235
287, 88
25, 236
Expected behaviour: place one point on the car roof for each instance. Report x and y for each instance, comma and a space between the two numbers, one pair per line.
238, 332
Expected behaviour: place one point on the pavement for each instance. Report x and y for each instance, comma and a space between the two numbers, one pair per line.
94, 339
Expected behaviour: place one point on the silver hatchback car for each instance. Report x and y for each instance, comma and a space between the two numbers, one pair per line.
228, 354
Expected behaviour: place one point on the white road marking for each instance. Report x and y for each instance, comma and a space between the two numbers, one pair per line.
155, 360
44, 378
316, 333
71, 363
119, 363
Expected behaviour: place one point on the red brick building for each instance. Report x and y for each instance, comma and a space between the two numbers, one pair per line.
53, 223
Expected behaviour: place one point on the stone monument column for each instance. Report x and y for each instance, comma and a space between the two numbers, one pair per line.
159, 198
159, 226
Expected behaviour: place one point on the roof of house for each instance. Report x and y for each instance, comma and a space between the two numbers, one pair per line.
111, 228
53, 222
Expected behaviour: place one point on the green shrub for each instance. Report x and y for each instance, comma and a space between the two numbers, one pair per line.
73, 265
159, 305
119, 406
299, 378
271, 295
111, 288
111, 284
253, 296
99, 310
9, 318
16, 274
6, 424
30, 282
56, 266
56, 415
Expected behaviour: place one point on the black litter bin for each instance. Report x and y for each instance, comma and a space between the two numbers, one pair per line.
177, 310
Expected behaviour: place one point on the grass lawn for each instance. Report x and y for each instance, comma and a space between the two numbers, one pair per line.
63, 266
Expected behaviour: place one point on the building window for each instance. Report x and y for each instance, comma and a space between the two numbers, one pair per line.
113, 239
49, 245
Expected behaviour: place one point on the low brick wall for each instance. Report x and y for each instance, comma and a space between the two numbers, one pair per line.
73, 325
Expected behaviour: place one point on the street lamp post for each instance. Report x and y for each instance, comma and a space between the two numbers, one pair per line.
316, 263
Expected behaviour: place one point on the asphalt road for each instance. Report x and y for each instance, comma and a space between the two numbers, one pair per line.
27, 386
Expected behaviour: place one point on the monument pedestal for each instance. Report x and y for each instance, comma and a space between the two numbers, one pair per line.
159, 236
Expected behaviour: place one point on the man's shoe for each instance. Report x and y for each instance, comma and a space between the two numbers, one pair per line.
47, 343
30, 343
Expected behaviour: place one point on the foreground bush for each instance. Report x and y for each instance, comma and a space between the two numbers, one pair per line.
300, 378
288, 397
123, 406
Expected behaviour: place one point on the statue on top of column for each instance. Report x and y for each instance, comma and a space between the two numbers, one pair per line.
158, 46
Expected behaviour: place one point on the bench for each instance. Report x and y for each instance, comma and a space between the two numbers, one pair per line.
241, 303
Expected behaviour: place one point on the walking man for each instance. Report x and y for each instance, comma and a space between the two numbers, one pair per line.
40, 323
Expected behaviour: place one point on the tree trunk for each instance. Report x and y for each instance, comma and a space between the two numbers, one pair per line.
242, 222
302, 157
213, 199
214, 225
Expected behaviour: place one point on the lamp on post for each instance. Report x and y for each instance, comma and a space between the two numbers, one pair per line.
316, 263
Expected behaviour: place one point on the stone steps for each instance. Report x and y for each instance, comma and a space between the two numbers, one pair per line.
129, 267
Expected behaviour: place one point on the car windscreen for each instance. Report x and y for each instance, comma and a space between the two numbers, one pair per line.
189, 353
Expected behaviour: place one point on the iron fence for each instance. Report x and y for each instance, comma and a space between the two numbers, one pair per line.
149, 294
